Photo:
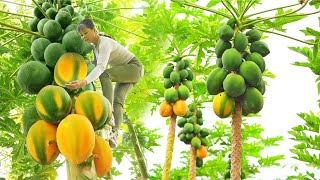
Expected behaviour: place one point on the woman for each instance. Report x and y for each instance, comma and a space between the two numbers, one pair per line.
126, 70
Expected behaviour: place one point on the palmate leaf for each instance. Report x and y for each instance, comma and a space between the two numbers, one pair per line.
212, 3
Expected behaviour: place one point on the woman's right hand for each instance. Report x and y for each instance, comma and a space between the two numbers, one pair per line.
76, 84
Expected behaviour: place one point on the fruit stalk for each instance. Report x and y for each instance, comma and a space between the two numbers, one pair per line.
82, 171
235, 170
170, 146
192, 170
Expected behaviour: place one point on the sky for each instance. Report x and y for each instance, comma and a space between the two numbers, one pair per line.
293, 90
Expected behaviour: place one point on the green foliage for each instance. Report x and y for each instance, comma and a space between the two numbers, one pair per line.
306, 135
219, 148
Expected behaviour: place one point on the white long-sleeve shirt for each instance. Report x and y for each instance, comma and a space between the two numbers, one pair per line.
108, 51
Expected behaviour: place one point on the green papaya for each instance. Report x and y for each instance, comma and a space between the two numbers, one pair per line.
253, 35
258, 59
174, 77
167, 71
262, 87
196, 142
183, 92
231, 59
251, 101
171, 95
240, 41
260, 47
225, 32
251, 73
221, 46
219, 63
234, 85
215, 80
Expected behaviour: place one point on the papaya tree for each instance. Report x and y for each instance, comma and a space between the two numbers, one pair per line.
17, 36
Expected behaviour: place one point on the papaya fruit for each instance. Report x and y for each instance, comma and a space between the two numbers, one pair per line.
219, 63
202, 152
183, 92
251, 101
180, 108
251, 73
174, 77
215, 80
188, 128
253, 35
195, 142
221, 46
52, 30
258, 59
231, 59
171, 95
225, 32
167, 71
167, 83
261, 87
240, 41
260, 47
223, 105
183, 73
181, 122
166, 109
234, 85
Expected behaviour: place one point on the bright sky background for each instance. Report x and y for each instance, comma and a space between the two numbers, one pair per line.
294, 90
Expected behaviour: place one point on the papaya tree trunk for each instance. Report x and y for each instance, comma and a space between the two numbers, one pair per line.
136, 146
84, 171
192, 169
170, 146
236, 144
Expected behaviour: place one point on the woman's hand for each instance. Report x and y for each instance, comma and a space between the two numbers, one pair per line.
76, 84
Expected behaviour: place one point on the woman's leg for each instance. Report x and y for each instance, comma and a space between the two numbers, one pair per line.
121, 92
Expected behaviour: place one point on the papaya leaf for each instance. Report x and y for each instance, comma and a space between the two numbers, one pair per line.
302, 64
311, 32
212, 3
3, 50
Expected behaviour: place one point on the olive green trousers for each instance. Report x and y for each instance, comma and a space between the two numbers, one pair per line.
125, 76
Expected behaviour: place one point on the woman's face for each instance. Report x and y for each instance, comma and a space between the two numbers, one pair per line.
88, 34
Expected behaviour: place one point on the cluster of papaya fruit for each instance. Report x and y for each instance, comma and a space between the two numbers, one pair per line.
56, 23
227, 171
62, 121
238, 72
193, 134
177, 81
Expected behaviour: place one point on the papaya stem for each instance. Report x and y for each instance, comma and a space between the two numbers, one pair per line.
306, 14
110, 9
272, 32
250, 3
21, 29
16, 3
169, 148
234, 16
96, 18
12, 39
236, 145
26, 60
8, 17
23, 15
123, 16
94, 2
232, 7
278, 16
40, 8
137, 149
203, 8
250, 15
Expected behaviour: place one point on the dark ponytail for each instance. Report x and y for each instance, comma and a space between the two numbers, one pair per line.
88, 23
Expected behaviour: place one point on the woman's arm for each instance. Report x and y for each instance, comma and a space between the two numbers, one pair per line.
104, 50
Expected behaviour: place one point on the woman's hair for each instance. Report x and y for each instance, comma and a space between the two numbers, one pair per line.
88, 23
